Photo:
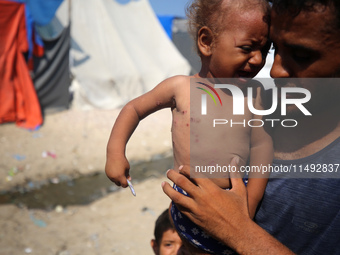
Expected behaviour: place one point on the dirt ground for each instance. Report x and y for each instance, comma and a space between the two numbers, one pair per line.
73, 143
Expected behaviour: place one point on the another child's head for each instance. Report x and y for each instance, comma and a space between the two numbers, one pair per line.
231, 36
166, 241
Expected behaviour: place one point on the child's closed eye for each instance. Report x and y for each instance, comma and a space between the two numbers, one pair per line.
246, 49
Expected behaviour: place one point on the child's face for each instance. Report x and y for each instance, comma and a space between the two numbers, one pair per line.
240, 50
170, 244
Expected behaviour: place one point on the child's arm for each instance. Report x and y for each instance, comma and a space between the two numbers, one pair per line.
261, 154
162, 96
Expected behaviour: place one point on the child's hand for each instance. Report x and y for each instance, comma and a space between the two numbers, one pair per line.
117, 169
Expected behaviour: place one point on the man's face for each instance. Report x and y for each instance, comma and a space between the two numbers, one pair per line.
305, 49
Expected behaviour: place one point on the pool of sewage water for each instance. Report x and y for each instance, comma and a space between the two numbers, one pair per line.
64, 191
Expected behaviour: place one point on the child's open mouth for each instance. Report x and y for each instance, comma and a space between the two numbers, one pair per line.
245, 74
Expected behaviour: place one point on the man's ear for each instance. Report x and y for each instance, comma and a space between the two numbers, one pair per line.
155, 247
205, 39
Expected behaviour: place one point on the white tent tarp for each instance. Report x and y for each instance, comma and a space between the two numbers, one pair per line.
119, 52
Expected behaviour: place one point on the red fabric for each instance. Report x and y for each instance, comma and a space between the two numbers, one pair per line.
38, 50
18, 99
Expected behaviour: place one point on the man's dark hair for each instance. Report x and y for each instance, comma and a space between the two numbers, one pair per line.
294, 7
162, 224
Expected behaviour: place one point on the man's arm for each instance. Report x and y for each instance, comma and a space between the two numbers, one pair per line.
225, 217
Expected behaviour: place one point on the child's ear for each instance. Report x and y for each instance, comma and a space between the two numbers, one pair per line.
155, 246
205, 39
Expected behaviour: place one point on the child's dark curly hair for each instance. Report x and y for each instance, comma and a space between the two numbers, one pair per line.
212, 14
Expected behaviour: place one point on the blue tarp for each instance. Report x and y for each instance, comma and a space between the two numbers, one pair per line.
38, 12
124, 1
166, 21
42, 11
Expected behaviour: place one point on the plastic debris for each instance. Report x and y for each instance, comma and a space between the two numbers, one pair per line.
35, 128
30, 185
45, 154
38, 222
13, 171
51, 154
59, 209
148, 210
19, 157
55, 180
28, 250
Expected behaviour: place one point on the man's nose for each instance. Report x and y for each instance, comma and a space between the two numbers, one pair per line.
278, 69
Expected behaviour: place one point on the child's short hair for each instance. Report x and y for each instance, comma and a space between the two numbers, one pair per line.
162, 224
212, 14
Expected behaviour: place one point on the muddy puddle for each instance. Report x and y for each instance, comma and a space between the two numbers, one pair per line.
64, 191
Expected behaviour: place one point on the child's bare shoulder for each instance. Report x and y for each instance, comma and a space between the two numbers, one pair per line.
173, 86
178, 80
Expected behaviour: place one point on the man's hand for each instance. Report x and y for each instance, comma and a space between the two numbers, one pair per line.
216, 210
222, 213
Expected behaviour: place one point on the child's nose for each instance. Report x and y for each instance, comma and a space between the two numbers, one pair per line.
256, 58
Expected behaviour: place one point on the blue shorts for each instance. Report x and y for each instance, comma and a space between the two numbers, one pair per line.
194, 234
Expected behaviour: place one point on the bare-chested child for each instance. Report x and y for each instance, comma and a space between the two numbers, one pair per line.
232, 42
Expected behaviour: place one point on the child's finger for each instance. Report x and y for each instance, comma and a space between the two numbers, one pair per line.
123, 182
